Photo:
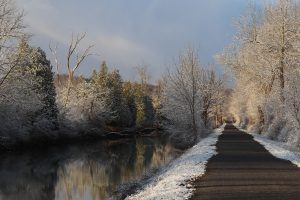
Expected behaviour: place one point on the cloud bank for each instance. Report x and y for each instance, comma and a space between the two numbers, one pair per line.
126, 33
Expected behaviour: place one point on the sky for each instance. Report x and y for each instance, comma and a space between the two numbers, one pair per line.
134, 32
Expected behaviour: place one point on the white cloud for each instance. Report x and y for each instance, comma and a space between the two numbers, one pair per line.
117, 47
44, 19
41, 18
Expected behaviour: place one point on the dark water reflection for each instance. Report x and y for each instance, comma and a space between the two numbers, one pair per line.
90, 171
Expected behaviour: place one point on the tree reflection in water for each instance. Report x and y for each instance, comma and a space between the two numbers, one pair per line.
90, 171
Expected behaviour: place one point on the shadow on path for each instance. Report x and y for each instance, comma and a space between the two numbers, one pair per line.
244, 169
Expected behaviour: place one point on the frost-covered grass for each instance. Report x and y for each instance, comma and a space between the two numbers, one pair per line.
173, 181
279, 149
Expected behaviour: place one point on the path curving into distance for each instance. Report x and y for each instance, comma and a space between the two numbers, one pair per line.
244, 170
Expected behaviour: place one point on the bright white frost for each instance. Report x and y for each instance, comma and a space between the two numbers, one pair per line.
279, 149
173, 182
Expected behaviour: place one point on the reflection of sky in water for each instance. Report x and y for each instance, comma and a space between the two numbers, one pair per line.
86, 171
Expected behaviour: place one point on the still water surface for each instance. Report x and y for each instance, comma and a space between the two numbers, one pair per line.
90, 171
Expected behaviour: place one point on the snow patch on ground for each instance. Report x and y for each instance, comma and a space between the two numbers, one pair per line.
279, 149
173, 181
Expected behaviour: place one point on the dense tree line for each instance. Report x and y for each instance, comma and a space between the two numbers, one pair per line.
265, 59
35, 102
106, 101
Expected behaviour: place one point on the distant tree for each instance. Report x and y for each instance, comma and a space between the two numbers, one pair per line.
130, 100
157, 102
145, 114
145, 111
149, 116
99, 88
117, 113
212, 92
143, 77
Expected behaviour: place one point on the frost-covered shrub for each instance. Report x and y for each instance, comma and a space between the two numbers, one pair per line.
14, 125
17, 121
285, 133
275, 128
27, 96
192, 95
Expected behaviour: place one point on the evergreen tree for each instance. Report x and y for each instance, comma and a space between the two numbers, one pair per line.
130, 100
100, 79
149, 111
111, 105
99, 91
157, 102
99, 82
33, 61
145, 111
118, 112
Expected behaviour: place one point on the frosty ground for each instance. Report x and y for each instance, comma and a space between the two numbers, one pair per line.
279, 149
172, 182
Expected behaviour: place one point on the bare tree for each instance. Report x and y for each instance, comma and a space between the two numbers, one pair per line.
11, 30
143, 76
280, 38
78, 57
183, 90
192, 94
212, 92
74, 59
55, 57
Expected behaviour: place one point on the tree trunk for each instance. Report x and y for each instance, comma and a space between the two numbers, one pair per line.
194, 129
281, 80
281, 67
261, 118
204, 117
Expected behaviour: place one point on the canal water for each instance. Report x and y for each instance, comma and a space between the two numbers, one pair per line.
89, 171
